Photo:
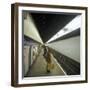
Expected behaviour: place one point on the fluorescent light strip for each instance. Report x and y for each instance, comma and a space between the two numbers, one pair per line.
71, 26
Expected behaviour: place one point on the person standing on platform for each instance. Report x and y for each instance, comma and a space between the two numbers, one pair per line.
47, 56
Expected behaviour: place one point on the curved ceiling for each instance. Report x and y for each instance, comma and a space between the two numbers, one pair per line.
49, 24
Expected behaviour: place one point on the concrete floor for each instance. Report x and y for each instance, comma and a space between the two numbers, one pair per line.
39, 67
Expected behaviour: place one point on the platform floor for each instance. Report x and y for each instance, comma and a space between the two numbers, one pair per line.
39, 67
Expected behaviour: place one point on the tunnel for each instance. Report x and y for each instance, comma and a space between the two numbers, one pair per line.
59, 33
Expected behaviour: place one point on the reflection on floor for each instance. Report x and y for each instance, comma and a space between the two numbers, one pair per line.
39, 67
